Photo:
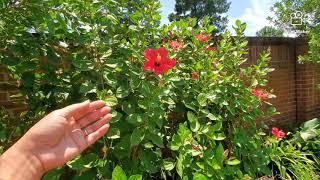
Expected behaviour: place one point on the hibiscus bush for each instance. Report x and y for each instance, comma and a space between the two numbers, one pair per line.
185, 104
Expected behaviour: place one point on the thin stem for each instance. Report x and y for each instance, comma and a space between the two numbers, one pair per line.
99, 62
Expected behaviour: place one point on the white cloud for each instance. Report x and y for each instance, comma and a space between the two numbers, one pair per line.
255, 16
290, 34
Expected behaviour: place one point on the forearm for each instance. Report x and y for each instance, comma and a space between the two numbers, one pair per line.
19, 163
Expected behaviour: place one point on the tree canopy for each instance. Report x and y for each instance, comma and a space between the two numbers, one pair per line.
296, 15
269, 31
214, 9
303, 18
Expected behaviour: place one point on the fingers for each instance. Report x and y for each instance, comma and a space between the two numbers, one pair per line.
95, 126
93, 137
93, 116
81, 109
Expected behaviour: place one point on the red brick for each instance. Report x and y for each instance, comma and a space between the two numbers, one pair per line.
3, 96
3, 77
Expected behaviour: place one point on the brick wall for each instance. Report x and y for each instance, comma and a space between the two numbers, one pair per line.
9, 88
308, 91
294, 84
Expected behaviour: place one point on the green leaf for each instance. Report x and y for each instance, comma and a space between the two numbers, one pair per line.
148, 160
201, 164
157, 116
53, 174
175, 143
128, 107
3, 136
218, 157
135, 177
148, 145
190, 106
143, 104
113, 18
254, 82
77, 163
105, 57
113, 133
238, 23
87, 88
116, 116
86, 161
118, 174
283, 170
219, 137
180, 166
82, 63
312, 123
212, 117
135, 119
10, 61
217, 126
184, 133
194, 124
122, 92
202, 99
28, 79
233, 162
85, 175
308, 134
136, 136
199, 177
168, 164
133, 28
146, 89
27, 66
156, 139
111, 101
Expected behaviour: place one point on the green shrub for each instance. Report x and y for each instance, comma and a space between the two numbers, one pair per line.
10, 129
184, 104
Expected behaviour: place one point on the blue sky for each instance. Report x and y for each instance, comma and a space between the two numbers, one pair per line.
253, 12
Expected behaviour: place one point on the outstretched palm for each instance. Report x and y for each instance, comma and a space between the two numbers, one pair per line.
65, 133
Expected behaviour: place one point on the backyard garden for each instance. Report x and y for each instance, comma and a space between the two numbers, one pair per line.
185, 102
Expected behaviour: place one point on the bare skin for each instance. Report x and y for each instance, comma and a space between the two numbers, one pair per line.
54, 140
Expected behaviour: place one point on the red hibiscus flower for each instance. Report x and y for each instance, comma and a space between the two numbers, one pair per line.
245, 125
157, 60
194, 75
260, 94
278, 133
214, 66
209, 49
171, 34
195, 147
201, 37
176, 45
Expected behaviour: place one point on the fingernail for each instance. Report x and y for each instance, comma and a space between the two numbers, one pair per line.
87, 101
108, 108
105, 109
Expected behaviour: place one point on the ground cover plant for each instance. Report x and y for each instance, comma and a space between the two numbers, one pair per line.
295, 155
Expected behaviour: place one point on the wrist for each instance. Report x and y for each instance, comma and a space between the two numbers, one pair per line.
20, 163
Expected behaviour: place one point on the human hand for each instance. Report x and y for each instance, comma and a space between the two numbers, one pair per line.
65, 133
